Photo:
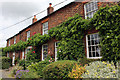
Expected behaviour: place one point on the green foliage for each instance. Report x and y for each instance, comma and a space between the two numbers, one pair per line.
84, 61
32, 57
100, 69
107, 21
38, 67
59, 69
6, 62
21, 62
15, 69
77, 71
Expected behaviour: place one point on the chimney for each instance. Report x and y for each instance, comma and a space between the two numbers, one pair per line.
50, 9
34, 19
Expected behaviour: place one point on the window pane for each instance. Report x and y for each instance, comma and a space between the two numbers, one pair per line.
93, 48
94, 54
88, 43
92, 42
88, 37
89, 49
90, 54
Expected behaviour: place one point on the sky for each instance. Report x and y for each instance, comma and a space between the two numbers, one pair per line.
14, 11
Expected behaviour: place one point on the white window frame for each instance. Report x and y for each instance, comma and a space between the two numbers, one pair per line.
45, 28
42, 51
88, 49
9, 43
15, 40
91, 13
7, 54
26, 51
23, 54
28, 34
56, 50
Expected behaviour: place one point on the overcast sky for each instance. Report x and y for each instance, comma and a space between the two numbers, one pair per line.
13, 11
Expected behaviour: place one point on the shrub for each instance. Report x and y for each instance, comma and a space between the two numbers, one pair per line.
38, 67
15, 69
6, 62
21, 62
77, 71
100, 69
84, 60
59, 69
26, 74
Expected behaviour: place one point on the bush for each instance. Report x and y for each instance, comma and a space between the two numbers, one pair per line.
84, 60
26, 74
21, 62
100, 69
38, 67
15, 69
6, 62
59, 69
77, 71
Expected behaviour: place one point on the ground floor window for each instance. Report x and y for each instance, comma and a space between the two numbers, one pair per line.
56, 50
93, 46
44, 51
27, 50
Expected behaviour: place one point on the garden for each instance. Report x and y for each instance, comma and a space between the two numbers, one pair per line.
72, 62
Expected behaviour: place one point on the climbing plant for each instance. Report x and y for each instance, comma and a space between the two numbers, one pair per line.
71, 33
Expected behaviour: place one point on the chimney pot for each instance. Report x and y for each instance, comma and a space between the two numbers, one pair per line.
34, 16
34, 19
50, 9
50, 4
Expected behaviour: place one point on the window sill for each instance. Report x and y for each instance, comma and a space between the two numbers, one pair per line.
94, 57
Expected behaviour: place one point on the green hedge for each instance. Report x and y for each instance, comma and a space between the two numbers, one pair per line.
6, 62
59, 69
38, 67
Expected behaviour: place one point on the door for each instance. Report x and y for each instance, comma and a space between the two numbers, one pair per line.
23, 55
13, 59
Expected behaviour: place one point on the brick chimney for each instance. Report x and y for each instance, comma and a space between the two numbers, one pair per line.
50, 9
34, 19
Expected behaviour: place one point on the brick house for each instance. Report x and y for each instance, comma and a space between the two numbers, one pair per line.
53, 19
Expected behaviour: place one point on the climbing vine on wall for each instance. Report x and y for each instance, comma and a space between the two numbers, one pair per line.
72, 31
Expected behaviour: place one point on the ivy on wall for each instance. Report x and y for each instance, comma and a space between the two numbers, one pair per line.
72, 31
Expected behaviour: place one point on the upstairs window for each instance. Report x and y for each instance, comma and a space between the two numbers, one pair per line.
44, 51
15, 40
90, 8
45, 28
28, 34
93, 48
9, 43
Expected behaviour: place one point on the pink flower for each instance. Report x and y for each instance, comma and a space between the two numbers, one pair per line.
50, 61
34, 33
33, 52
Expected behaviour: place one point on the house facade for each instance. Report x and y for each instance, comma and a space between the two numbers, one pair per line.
54, 18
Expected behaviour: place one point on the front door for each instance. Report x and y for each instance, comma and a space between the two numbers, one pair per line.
13, 59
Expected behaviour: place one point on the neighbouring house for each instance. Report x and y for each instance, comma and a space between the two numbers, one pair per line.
54, 18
